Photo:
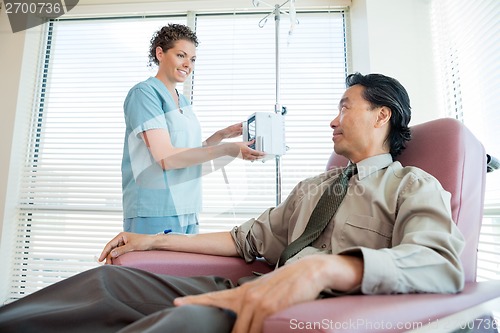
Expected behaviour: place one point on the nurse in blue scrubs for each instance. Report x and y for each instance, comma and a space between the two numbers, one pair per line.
163, 149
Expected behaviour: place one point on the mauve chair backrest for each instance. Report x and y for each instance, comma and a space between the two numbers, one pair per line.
446, 149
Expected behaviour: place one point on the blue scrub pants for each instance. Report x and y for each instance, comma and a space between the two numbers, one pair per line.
182, 224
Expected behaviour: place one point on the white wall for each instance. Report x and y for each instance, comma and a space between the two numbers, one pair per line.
10, 66
392, 37
19, 58
12, 47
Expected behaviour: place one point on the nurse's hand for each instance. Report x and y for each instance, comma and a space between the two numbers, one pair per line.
232, 131
248, 153
226, 133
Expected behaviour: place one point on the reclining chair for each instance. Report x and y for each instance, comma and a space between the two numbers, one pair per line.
449, 151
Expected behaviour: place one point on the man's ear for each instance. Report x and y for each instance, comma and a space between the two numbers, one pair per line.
383, 116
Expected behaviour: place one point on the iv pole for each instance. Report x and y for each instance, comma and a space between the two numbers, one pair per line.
277, 107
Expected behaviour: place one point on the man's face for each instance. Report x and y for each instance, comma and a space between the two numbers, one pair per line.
354, 129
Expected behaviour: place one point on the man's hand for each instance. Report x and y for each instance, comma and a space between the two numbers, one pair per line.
125, 242
295, 283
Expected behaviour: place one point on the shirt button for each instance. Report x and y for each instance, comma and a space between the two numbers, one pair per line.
323, 246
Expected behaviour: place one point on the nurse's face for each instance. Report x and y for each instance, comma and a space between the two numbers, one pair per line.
177, 63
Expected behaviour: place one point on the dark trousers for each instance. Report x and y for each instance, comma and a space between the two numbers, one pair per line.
118, 299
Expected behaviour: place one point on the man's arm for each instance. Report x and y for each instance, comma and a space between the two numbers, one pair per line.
424, 255
217, 243
294, 283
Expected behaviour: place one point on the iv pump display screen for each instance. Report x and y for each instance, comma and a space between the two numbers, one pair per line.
251, 130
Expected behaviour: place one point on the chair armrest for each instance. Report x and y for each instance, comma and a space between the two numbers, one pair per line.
353, 313
381, 313
191, 264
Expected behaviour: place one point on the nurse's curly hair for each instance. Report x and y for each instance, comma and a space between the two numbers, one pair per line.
167, 36
381, 90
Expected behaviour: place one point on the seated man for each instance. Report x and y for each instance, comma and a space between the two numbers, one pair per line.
387, 229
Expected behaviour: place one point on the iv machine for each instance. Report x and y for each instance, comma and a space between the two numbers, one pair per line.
268, 130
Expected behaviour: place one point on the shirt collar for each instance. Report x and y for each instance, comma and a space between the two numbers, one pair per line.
373, 164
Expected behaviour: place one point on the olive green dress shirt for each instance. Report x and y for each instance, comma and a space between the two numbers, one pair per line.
398, 219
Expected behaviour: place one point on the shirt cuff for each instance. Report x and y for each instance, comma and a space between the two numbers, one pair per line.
240, 235
380, 275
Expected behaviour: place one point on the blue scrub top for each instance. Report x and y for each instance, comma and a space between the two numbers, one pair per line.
149, 191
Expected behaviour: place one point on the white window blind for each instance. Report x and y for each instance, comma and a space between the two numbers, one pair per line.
467, 39
70, 203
